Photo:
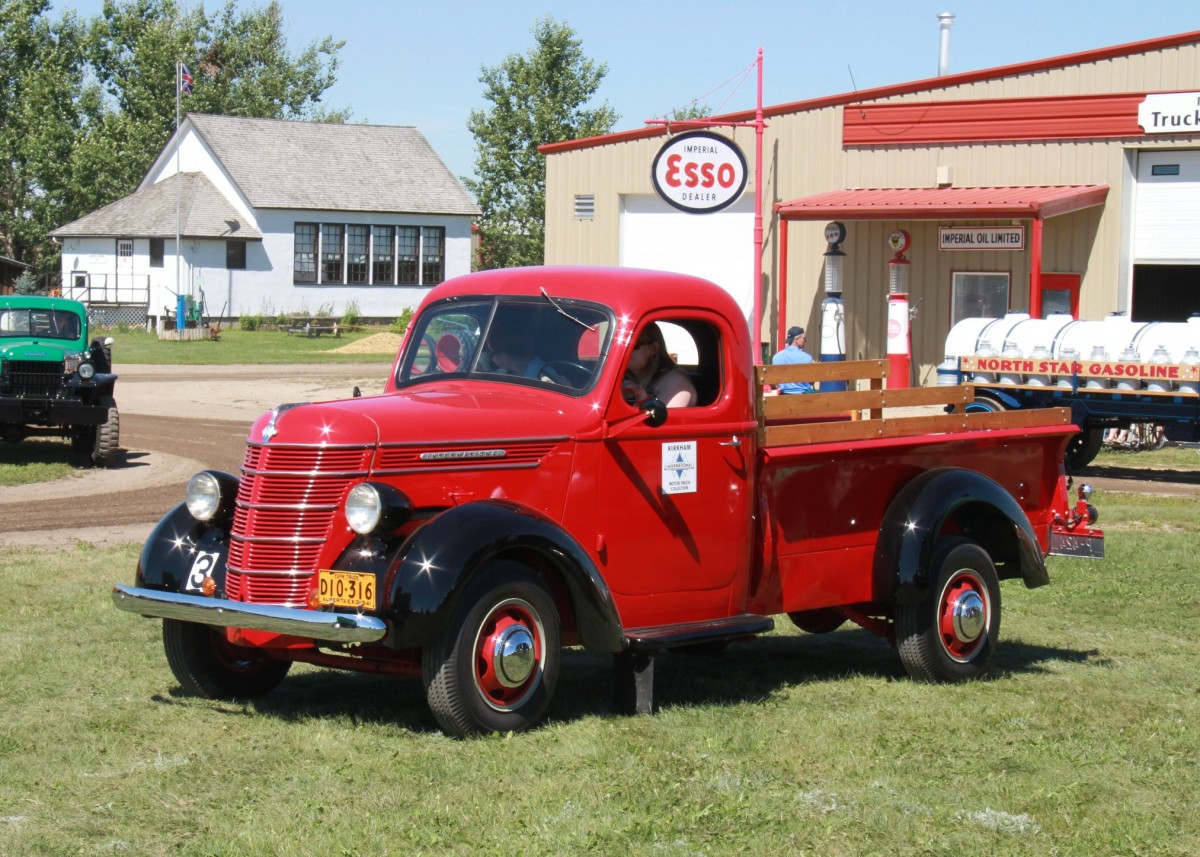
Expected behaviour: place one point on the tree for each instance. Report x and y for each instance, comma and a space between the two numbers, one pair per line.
43, 101
86, 106
535, 99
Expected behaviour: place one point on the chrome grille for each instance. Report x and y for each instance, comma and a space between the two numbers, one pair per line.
286, 591
286, 505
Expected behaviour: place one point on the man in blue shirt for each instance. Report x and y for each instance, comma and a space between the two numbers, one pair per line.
793, 353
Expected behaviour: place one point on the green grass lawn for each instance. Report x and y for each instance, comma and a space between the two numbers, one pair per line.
1083, 742
242, 346
37, 460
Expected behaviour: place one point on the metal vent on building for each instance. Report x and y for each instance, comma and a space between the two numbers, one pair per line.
585, 206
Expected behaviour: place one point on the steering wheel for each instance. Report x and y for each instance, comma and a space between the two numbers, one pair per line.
576, 374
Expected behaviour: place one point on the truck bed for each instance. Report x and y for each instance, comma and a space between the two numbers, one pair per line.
867, 410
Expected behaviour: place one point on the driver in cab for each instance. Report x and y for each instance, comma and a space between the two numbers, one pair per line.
511, 353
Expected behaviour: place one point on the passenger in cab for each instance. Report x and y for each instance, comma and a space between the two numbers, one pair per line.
652, 374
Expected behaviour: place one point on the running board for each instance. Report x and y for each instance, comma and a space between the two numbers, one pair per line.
658, 637
634, 666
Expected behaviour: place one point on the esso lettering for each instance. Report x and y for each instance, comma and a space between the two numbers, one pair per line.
704, 174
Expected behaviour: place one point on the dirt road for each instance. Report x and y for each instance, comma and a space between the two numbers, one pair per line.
175, 421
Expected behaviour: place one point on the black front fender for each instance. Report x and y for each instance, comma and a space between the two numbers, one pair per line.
430, 571
952, 500
181, 551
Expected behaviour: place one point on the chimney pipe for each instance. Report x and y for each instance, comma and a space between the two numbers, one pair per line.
945, 21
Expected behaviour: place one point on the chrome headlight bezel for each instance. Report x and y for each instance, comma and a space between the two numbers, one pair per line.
372, 507
210, 494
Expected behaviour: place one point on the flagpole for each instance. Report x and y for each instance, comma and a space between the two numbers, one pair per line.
179, 320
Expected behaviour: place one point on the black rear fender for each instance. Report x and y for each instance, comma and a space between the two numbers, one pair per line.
948, 501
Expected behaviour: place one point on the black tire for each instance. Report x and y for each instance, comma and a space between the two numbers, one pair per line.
208, 665
817, 621
108, 436
984, 405
951, 633
1083, 447
469, 689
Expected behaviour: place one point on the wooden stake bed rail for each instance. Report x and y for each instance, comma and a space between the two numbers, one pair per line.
862, 411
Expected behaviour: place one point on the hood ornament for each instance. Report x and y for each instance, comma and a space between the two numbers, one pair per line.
271, 429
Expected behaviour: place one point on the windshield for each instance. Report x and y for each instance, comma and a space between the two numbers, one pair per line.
42, 323
558, 344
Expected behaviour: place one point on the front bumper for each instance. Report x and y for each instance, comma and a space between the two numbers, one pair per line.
51, 412
314, 624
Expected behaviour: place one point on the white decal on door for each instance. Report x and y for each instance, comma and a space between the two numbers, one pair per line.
679, 467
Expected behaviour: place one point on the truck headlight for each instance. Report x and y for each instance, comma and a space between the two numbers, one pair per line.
371, 506
86, 371
210, 493
363, 508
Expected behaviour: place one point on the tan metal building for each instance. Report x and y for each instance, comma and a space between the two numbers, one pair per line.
1090, 162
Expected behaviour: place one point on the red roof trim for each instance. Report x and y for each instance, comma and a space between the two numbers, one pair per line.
877, 93
1050, 118
965, 203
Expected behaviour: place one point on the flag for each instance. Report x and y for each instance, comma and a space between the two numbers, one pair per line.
185, 80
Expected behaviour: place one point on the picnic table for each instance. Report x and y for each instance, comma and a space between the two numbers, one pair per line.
313, 325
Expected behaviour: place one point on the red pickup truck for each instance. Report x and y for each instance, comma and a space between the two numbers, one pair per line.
483, 512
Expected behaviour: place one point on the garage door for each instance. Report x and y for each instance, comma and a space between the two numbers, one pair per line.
1166, 221
1166, 236
717, 247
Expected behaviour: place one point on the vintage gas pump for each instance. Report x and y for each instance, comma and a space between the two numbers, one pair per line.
899, 339
833, 316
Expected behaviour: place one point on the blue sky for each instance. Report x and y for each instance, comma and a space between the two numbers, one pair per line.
418, 63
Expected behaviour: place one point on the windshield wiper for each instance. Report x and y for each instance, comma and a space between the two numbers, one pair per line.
563, 312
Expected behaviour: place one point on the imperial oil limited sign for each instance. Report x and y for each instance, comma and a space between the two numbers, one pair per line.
699, 172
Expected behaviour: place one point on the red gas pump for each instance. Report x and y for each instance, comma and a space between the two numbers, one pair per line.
899, 339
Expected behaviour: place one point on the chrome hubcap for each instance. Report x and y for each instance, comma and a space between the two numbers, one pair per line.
513, 656
970, 617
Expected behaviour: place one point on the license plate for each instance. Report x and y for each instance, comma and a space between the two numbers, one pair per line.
1088, 545
347, 589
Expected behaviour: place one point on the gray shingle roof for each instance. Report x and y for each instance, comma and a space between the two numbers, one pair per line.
150, 213
317, 165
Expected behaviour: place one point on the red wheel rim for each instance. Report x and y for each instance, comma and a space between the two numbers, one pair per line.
964, 616
509, 649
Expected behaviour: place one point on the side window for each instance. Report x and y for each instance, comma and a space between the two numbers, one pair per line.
678, 361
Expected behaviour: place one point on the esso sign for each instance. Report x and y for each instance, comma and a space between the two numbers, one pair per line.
699, 172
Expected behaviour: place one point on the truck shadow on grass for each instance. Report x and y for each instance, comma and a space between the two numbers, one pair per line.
54, 451
744, 673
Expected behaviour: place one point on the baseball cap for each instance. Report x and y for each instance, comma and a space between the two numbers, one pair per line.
793, 332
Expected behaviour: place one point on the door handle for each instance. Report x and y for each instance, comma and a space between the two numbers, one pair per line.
735, 442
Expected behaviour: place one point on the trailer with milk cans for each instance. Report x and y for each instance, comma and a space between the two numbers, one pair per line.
1112, 374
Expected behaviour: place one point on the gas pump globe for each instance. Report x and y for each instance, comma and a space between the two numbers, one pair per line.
833, 323
899, 340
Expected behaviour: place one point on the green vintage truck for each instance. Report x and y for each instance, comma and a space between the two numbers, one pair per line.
52, 381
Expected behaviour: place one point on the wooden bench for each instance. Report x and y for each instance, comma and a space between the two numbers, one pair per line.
867, 409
